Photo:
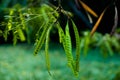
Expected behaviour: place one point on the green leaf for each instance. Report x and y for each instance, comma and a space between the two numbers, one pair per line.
21, 34
86, 45
14, 37
22, 19
9, 25
61, 34
43, 12
68, 46
46, 50
77, 38
39, 43
68, 50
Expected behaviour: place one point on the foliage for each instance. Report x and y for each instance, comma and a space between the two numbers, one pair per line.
47, 19
40, 20
107, 44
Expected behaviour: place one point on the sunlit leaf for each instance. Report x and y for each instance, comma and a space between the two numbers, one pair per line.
21, 34
9, 25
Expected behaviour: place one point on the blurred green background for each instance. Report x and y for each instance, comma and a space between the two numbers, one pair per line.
18, 63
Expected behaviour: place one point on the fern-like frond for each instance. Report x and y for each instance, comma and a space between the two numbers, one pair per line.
77, 38
39, 30
39, 43
49, 20
61, 34
46, 49
65, 39
68, 46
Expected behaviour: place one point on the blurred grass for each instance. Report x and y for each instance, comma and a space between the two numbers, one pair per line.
18, 63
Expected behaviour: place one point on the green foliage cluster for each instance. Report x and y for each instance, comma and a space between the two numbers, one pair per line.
40, 21
65, 39
16, 24
51, 21
108, 44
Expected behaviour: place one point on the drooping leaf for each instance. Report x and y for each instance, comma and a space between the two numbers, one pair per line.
21, 34
39, 30
45, 16
98, 22
46, 50
39, 43
49, 19
77, 38
61, 34
22, 19
68, 46
9, 25
68, 50
88, 9
15, 37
